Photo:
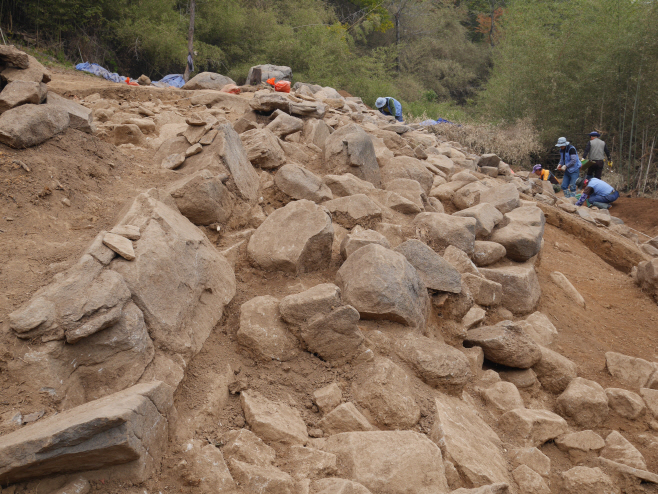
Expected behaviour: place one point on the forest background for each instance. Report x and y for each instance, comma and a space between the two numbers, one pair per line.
516, 74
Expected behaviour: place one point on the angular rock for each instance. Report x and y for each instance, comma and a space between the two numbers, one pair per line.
486, 217
650, 397
521, 290
129, 231
311, 463
563, 282
504, 198
328, 397
345, 418
271, 421
459, 260
285, 124
439, 365
263, 333
405, 167
484, 292
391, 462
208, 80
625, 403
381, 284
11, 55
127, 428
554, 371
20, 93
530, 428
522, 236
384, 390
296, 238
409, 189
337, 486
473, 318
435, 272
302, 307
202, 198
173, 161
647, 276
532, 458
542, 329
205, 468
585, 402
521, 378
35, 72
584, 480
635, 372
120, 245
441, 230
80, 117
30, 125
262, 479
316, 132
347, 185
529, 481
503, 397
243, 445
300, 183
263, 149
354, 210
335, 337
618, 448
473, 447
350, 150
490, 160
261, 73
508, 345
578, 445
486, 253
469, 195
394, 201
360, 238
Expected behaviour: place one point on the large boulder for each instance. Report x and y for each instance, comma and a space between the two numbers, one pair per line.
440, 230
300, 183
585, 480
20, 93
316, 132
486, 253
469, 195
506, 345
439, 365
29, 125
528, 428
11, 55
80, 117
625, 403
208, 80
631, 371
273, 421
505, 197
35, 72
301, 307
585, 402
126, 431
381, 284
296, 238
263, 333
284, 124
384, 391
522, 236
468, 442
435, 272
202, 198
261, 73
347, 185
407, 168
350, 150
390, 462
486, 217
263, 148
554, 371
521, 290
354, 210
360, 238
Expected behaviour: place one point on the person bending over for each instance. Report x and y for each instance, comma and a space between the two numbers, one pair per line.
545, 174
570, 164
597, 193
390, 107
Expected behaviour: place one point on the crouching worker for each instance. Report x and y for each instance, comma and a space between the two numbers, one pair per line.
390, 107
545, 175
597, 193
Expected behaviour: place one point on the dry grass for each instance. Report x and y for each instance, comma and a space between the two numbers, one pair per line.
513, 143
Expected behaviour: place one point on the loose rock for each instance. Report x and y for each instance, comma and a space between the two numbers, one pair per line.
585, 402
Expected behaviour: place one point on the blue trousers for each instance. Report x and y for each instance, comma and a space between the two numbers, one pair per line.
569, 180
604, 199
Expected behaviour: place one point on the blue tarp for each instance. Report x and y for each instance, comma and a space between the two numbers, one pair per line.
437, 121
174, 80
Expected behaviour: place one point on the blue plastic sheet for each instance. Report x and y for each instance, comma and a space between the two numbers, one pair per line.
171, 80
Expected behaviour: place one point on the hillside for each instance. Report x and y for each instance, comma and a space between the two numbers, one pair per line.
291, 293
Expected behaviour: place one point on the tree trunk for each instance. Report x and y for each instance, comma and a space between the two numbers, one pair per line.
397, 40
493, 16
190, 41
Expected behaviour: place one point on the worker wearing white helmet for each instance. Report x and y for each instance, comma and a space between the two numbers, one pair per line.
390, 106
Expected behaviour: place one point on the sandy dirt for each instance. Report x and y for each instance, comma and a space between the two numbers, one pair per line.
40, 236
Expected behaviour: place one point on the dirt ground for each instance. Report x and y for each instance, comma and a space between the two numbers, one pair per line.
41, 236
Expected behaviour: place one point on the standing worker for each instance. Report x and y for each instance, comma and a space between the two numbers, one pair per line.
570, 164
598, 148
390, 106
597, 193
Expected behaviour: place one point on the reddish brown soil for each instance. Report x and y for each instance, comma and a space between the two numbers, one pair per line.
639, 213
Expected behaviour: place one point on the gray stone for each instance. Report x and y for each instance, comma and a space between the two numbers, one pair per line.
469, 195
505, 345
505, 197
308, 109
302, 307
316, 132
360, 238
261, 73
406, 167
489, 160
435, 272
202, 198
585, 402
273, 421
350, 150
20, 93
486, 216
35, 72
30, 125
625, 403
128, 428
381, 284
299, 183
554, 371
522, 236
263, 148
486, 253
585, 480
11, 55
540, 328
296, 238
521, 290
347, 185
335, 337
345, 418
284, 124
485, 292
208, 80
409, 189
530, 428
354, 210
441, 230
80, 117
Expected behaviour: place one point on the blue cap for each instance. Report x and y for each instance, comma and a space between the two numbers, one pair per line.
594, 134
